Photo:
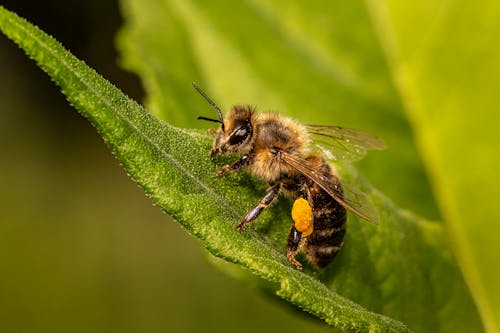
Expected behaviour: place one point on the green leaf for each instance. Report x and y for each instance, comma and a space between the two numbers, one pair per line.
400, 271
445, 58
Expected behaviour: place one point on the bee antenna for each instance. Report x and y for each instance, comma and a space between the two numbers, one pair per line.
209, 119
211, 103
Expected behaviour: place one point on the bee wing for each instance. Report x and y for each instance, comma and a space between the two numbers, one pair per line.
350, 198
343, 144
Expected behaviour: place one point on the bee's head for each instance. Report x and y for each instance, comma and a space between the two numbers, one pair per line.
235, 133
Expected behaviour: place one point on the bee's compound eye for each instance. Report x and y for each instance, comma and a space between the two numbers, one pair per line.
239, 135
241, 132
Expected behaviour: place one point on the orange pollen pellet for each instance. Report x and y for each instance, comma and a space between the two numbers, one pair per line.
302, 216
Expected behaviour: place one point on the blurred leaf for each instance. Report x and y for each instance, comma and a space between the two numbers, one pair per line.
445, 58
400, 269
322, 65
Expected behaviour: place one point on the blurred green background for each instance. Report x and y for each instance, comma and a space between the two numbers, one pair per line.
81, 247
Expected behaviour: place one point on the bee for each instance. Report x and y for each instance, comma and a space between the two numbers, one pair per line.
292, 159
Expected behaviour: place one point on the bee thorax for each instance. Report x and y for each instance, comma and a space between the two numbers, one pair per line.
267, 166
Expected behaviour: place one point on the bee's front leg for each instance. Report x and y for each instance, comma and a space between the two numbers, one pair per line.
266, 200
240, 163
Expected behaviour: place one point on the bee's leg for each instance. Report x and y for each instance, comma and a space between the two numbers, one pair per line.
240, 163
266, 200
294, 245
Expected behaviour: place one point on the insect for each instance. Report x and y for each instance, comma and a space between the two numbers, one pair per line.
291, 158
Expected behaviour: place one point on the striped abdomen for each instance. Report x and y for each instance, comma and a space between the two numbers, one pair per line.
329, 222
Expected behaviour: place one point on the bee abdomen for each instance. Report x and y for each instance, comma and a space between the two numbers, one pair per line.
327, 237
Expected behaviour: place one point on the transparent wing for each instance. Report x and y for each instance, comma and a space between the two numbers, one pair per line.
350, 198
343, 144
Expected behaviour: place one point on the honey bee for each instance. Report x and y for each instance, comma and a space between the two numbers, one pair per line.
292, 159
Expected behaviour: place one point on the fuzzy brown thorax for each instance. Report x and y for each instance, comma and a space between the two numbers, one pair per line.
274, 134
